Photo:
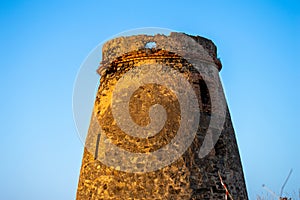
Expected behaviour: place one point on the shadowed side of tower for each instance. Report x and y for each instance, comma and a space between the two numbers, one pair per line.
190, 176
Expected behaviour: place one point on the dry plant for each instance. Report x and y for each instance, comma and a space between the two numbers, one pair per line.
226, 190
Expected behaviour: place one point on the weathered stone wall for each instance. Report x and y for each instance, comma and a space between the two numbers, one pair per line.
189, 177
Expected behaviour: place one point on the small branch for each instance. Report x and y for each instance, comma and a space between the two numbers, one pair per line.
223, 184
286, 180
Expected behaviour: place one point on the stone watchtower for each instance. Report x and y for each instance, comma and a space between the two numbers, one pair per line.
160, 127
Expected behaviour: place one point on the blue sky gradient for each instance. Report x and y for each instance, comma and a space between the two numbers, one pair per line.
44, 43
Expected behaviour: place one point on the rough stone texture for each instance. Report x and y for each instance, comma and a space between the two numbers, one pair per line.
189, 177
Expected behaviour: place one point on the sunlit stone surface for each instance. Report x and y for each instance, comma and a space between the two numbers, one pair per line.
189, 176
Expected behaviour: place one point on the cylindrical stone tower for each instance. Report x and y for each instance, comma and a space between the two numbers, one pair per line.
160, 127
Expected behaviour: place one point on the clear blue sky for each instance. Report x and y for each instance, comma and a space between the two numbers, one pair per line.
42, 45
